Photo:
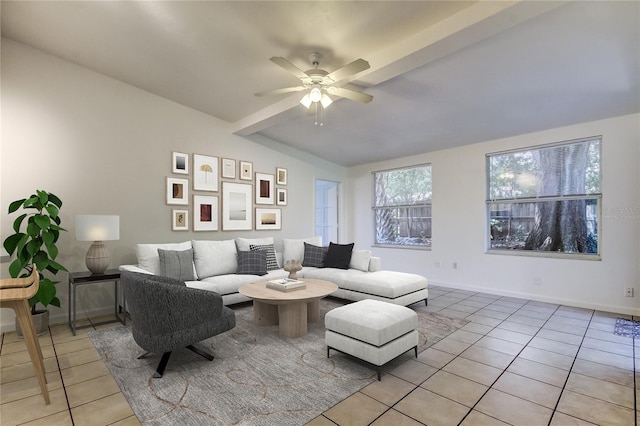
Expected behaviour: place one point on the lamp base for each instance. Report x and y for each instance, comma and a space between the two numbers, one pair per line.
97, 259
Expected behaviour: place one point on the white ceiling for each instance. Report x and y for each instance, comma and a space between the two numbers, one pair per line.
442, 74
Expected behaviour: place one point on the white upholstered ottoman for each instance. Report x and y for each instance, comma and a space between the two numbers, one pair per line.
373, 331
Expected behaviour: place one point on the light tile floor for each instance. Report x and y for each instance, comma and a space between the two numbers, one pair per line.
517, 362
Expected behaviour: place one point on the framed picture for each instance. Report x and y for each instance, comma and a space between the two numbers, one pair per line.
177, 191
180, 163
205, 213
281, 176
246, 170
205, 173
237, 214
268, 219
264, 188
281, 197
228, 168
179, 220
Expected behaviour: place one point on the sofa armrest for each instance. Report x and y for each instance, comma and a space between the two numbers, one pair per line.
134, 268
375, 264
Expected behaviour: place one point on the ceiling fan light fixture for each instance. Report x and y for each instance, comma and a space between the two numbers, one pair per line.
306, 101
325, 101
315, 94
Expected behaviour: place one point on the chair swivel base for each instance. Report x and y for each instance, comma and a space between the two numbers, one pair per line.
165, 359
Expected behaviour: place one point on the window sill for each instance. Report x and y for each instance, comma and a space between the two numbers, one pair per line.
545, 254
400, 246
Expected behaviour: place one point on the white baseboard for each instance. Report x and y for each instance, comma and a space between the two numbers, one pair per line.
61, 316
538, 298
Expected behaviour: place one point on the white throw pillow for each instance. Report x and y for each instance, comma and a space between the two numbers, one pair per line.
214, 258
244, 243
148, 258
294, 249
360, 260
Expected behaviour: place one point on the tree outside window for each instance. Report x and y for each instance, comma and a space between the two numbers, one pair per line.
402, 206
546, 199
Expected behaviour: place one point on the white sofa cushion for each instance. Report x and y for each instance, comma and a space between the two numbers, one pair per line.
214, 258
229, 284
389, 284
148, 258
360, 260
244, 243
293, 249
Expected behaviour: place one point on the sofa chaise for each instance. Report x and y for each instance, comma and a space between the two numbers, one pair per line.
223, 266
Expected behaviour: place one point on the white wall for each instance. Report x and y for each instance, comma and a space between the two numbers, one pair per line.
459, 188
105, 147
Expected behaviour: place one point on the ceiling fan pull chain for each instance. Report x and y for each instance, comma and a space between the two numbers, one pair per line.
319, 114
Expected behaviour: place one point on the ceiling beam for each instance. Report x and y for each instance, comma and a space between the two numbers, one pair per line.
463, 29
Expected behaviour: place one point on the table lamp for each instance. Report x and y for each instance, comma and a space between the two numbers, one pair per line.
97, 228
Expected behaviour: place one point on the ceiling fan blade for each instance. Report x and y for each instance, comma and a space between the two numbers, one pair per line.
278, 91
350, 94
279, 60
348, 70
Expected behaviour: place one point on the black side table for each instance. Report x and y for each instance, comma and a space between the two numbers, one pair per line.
77, 279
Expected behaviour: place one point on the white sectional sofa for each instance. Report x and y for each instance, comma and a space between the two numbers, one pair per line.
214, 266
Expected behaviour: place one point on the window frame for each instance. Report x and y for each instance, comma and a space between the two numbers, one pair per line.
375, 208
596, 196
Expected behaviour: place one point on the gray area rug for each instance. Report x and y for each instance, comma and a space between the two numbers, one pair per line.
256, 378
627, 328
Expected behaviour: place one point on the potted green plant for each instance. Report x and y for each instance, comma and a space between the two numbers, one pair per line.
37, 245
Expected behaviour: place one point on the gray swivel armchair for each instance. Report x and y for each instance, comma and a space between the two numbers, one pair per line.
167, 315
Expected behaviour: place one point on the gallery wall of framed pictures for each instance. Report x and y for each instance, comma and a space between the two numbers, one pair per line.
227, 194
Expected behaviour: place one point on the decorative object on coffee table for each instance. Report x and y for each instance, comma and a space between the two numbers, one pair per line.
292, 267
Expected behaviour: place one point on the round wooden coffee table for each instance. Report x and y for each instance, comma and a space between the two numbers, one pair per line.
290, 310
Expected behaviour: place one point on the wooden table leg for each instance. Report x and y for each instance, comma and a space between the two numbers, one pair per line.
264, 313
313, 311
293, 319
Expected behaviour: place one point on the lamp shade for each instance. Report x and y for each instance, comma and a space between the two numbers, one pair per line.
97, 227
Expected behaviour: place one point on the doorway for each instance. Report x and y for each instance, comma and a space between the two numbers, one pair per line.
327, 210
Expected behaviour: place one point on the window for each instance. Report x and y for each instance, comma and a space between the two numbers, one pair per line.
546, 199
402, 206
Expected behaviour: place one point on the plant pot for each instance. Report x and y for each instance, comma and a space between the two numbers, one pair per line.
40, 322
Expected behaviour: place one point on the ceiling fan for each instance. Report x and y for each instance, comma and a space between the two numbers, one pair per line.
320, 83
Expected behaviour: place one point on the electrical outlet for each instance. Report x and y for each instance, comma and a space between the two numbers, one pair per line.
628, 292
454, 265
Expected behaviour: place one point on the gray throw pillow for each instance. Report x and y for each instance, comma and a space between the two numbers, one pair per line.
252, 262
314, 255
272, 260
176, 264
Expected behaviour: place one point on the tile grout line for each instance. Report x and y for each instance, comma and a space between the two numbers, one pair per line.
509, 365
64, 388
555, 409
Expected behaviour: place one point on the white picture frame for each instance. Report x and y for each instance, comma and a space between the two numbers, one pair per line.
180, 163
281, 196
268, 219
237, 214
179, 220
205, 173
228, 169
177, 191
265, 188
246, 170
281, 176
205, 213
